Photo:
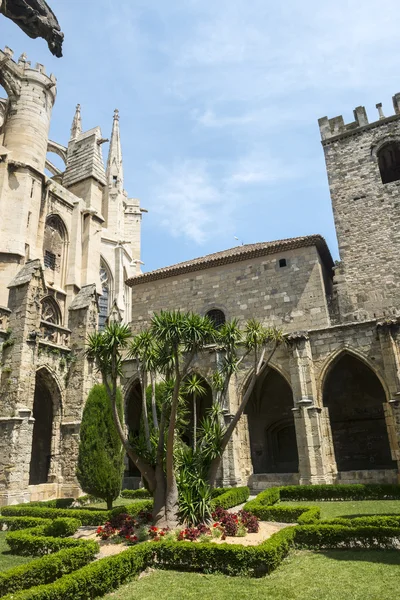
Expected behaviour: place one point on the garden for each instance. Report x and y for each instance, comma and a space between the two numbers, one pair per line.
356, 556
181, 536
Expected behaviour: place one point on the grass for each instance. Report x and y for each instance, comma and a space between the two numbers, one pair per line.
331, 510
117, 502
304, 575
7, 560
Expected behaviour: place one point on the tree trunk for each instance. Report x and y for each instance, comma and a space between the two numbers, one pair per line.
194, 422
109, 503
153, 400
144, 409
171, 500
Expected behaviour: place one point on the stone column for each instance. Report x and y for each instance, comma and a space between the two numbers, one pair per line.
388, 332
312, 423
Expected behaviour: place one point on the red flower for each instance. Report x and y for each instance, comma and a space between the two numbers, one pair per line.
215, 524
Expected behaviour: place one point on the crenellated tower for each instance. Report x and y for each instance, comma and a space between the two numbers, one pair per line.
363, 166
24, 138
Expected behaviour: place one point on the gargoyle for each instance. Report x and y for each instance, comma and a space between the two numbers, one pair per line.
36, 19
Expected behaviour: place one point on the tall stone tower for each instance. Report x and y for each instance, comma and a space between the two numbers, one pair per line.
31, 95
363, 165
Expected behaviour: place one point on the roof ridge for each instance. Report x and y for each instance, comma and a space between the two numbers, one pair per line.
235, 254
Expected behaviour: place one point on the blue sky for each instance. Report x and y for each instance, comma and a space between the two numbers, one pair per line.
219, 101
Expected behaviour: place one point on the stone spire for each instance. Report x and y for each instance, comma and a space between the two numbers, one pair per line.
76, 128
115, 173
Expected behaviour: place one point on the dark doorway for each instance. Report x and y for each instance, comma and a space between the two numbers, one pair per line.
271, 426
133, 416
203, 404
42, 432
355, 396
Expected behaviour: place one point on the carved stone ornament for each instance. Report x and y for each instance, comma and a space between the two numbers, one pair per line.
36, 19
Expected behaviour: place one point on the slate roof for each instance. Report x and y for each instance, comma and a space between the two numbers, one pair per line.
26, 273
236, 254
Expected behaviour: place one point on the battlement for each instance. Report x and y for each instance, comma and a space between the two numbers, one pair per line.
12, 73
331, 128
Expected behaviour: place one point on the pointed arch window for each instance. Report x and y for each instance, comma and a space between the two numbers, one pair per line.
51, 312
105, 300
55, 246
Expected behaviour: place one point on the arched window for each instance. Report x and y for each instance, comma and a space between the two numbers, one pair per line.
389, 162
54, 250
105, 300
217, 317
51, 311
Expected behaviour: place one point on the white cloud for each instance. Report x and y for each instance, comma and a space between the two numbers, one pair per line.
188, 202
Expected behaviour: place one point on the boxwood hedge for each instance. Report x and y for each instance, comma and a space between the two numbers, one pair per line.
47, 569
86, 516
230, 497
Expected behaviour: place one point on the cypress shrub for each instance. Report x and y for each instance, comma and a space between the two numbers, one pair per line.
101, 458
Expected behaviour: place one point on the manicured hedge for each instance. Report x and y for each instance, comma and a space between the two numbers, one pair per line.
343, 537
219, 491
32, 542
47, 569
136, 494
340, 492
16, 523
94, 580
87, 517
44, 539
232, 559
265, 507
57, 503
231, 497
367, 521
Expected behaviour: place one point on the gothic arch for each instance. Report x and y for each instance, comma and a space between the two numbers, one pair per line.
55, 249
51, 311
334, 357
47, 412
271, 365
273, 442
107, 297
355, 396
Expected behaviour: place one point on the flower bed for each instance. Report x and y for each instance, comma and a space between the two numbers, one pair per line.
126, 529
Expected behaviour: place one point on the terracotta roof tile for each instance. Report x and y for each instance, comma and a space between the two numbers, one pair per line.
237, 254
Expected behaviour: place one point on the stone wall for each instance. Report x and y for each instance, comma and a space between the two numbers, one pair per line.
292, 297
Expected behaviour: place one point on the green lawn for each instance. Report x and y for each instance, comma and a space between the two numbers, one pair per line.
330, 510
334, 575
7, 560
117, 502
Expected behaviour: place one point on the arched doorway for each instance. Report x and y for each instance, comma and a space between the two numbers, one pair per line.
271, 426
45, 408
133, 415
203, 403
354, 397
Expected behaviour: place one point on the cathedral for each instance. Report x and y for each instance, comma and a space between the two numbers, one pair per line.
69, 241
327, 409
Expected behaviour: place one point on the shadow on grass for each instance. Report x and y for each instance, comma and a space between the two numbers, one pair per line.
387, 557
